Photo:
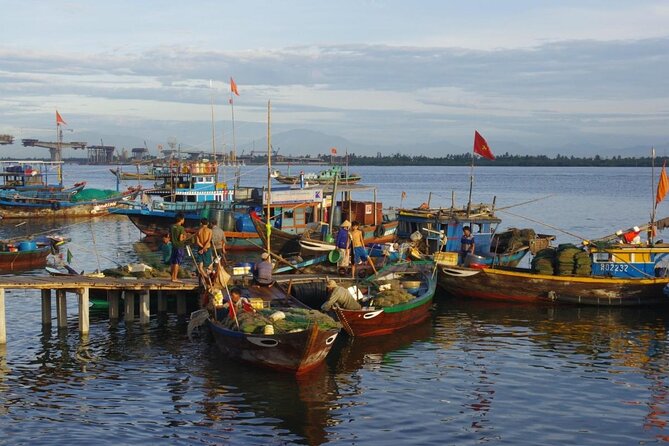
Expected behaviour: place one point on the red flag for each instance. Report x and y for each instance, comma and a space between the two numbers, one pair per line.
481, 146
404, 195
333, 150
233, 87
59, 119
662, 185
231, 308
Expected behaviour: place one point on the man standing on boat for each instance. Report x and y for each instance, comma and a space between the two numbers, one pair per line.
343, 242
359, 251
178, 236
467, 244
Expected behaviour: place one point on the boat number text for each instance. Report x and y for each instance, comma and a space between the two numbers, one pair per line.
613, 267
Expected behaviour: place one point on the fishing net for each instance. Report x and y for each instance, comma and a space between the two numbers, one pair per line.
392, 297
511, 240
296, 319
94, 194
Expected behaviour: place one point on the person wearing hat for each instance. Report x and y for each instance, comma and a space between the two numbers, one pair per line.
262, 271
343, 242
339, 297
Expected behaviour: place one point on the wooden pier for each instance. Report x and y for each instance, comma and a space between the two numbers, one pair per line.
128, 288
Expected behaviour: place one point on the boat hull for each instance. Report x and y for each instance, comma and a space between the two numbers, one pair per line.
290, 352
372, 234
314, 181
24, 260
55, 209
154, 225
521, 286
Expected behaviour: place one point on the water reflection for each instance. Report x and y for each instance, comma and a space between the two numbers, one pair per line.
623, 350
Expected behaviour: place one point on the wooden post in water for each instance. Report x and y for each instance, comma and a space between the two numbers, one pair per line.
3, 326
61, 308
181, 304
162, 302
129, 299
46, 307
144, 311
84, 321
113, 297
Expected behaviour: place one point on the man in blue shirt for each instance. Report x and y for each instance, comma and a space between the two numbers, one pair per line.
342, 243
467, 244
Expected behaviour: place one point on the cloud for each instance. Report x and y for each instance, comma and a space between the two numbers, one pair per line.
557, 91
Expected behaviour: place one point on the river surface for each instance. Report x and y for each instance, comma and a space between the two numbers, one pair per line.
475, 373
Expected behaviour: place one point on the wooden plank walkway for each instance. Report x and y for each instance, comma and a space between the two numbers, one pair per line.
103, 283
115, 287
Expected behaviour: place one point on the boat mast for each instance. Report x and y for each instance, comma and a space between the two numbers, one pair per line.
213, 132
268, 225
652, 196
471, 186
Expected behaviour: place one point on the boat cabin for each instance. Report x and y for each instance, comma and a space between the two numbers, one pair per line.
630, 261
294, 209
31, 175
432, 223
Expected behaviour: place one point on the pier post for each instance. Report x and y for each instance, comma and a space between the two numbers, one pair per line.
46, 307
162, 302
181, 305
84, 321
144, 311
3, 326
61, 308
113, 299
129, 299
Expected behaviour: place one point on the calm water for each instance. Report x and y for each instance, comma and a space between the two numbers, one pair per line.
475, 373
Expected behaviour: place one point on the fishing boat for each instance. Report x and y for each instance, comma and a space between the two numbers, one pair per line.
411, 287
84, 203
317, 238
295, 350
27, 254
152, 173
324, 177
42, 179
433, 230
619, 275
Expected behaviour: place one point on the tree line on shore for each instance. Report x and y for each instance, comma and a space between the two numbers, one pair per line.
505, 159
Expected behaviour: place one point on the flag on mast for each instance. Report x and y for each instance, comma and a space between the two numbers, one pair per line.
233, 87
59, 119
662, 185
481, 146
333, 150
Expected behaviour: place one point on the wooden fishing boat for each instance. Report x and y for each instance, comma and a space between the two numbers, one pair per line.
88, 202
372, 319
27, 254
324, 177
525, 286
620, 275
296, 351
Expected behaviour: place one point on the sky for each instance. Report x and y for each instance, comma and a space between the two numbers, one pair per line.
527, 74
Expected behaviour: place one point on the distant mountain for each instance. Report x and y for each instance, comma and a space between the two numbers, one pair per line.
251, 136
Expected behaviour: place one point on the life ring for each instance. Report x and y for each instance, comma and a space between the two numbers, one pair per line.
380, 231
55, 206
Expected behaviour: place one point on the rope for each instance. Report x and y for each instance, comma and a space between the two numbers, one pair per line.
564, 231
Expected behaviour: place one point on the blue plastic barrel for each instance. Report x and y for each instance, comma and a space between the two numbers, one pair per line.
245, 224
27, 246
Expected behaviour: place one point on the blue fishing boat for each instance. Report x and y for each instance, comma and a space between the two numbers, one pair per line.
434, 230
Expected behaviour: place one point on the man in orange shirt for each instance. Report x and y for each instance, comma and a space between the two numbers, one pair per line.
359, 251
